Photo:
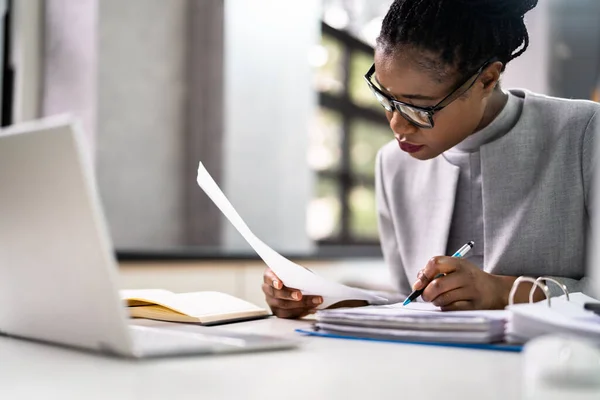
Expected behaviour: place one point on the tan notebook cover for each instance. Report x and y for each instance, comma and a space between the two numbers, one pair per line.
207, 308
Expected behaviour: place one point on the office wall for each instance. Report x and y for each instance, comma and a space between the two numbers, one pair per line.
123, 68
120, 67
26, 48
140, 120
69, 62
269, 104
575, 52
530, 70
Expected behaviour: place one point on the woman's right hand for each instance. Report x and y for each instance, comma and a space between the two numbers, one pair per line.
287, 302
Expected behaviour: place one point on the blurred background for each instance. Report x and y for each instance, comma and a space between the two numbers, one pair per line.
268, 94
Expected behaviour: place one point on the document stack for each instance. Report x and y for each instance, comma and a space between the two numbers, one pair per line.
417, 322
508, 329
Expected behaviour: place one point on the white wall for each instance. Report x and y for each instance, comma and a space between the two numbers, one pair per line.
269, 102
70, 62
27, 55
141, 117
530, 70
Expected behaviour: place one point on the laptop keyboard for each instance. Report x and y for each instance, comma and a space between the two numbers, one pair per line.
156, 342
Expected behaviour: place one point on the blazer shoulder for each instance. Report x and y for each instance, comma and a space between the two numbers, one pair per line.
556, 112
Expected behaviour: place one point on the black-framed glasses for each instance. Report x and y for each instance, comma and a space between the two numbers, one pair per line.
422, 116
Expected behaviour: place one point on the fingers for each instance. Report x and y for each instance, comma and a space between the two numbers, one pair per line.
273, 287
270, 278
285, 293
293, 309
307, 303
436, 266
289, 298
453, 296
441, 285
422, 280
287, 302
460, 305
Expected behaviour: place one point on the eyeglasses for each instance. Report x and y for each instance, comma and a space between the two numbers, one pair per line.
422, 116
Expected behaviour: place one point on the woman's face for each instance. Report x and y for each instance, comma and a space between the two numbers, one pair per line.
401, 77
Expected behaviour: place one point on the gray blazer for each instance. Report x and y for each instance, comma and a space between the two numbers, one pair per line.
536, 197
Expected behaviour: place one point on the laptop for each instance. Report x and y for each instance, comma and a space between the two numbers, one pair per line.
58, 272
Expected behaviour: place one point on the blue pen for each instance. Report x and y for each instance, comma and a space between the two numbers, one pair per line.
459, 253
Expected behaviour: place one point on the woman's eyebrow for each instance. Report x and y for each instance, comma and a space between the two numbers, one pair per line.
406, 96
418, 97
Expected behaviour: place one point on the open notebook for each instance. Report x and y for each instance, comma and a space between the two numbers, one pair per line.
206, 308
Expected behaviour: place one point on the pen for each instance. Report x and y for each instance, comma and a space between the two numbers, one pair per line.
459, 253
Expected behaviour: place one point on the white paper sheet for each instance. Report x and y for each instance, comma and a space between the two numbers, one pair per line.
418, 309
290, 273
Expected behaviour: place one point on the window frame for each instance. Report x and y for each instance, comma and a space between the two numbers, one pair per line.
349, 111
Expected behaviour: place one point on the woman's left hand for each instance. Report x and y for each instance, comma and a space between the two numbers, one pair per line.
464, 287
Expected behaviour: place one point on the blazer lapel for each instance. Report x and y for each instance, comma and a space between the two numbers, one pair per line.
507, 189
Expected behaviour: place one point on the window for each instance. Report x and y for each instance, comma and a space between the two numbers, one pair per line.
350, 127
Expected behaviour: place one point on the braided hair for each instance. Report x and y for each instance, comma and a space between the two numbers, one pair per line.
461, 33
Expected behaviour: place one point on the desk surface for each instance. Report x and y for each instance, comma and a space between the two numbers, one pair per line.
321, 368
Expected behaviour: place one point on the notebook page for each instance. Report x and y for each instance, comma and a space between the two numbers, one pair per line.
292, 274
415, 306
197, 304
200, 304
145, 294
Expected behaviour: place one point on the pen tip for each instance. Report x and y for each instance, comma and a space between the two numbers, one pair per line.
471, 243
407, 301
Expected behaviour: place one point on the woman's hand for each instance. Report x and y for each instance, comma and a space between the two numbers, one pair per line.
464, 287
287, 302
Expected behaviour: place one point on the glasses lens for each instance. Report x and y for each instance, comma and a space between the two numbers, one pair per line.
385, 102
418, 117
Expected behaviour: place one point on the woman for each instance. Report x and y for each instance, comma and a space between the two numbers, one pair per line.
510, 170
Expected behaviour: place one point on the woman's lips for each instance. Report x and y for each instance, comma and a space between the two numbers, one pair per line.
410, 148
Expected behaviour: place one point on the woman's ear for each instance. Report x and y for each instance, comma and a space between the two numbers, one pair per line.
490, 76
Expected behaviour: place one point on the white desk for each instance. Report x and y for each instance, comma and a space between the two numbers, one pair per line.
321, 368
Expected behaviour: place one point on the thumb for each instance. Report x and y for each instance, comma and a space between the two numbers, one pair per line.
435, 267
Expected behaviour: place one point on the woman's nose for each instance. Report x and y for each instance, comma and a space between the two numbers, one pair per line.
400, 125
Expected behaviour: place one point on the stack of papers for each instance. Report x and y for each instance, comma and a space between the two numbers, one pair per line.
425, 323
417, 322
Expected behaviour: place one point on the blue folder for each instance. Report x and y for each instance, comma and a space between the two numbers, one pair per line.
479, 346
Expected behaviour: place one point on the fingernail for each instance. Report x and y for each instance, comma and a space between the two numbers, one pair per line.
317, 300
276, 284
417, 285
296, 296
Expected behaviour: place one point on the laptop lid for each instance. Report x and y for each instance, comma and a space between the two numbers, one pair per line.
57, 268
